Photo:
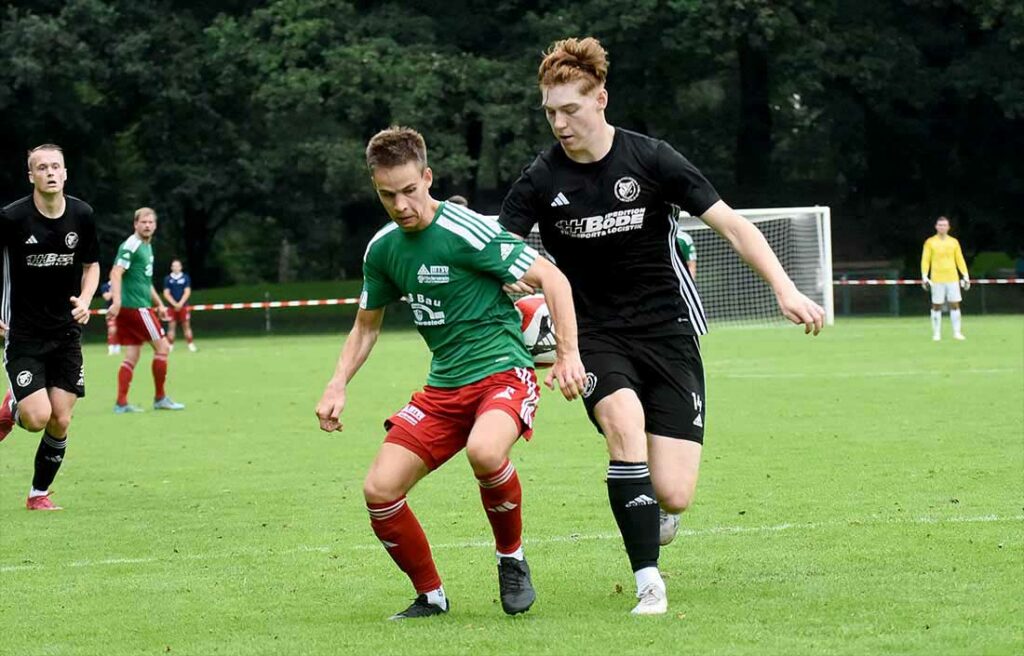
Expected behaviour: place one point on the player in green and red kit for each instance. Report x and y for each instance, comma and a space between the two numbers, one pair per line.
449, 263
132, 300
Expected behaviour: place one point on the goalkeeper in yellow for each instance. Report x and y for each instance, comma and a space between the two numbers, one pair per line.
944, 271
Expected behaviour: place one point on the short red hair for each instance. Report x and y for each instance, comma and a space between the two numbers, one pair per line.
572, 60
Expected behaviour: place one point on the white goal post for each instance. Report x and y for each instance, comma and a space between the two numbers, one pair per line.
732, 293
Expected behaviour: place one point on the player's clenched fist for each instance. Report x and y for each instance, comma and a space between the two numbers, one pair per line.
328, 411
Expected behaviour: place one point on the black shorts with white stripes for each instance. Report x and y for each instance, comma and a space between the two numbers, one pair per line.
665, 371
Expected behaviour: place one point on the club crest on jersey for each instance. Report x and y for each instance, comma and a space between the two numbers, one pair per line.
24, 379
435, 274
627, 189
71, 239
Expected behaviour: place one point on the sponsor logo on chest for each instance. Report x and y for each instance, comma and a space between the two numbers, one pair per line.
425, 311
50, 259
600, 226
434, 274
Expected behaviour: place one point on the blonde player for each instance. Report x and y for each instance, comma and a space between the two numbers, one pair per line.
944, 271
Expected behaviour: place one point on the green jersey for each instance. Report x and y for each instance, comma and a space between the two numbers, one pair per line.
686, 247
451, 274
136, 257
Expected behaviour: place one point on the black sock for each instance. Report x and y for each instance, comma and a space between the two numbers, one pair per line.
631, 496
48, 458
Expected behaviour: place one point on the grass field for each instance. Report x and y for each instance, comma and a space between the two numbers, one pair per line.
861, 493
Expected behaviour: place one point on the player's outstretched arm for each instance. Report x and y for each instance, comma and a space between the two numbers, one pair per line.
751, 245
358, 345
568, 368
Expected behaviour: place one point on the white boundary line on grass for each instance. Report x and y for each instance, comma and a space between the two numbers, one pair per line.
558, 539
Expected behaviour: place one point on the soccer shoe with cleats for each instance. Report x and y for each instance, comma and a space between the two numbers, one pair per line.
167, 404
6, 415
126, 409
422, 608
514, 585
192, 347
653, 600
668, 526
41, 502
959, 337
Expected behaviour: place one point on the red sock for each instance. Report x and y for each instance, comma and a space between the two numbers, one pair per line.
124, 379
503, 500
397, 528
159, 374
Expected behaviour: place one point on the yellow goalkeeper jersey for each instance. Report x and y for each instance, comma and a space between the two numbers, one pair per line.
943, 257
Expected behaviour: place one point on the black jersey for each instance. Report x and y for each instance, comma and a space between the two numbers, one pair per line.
42, 267
609, 227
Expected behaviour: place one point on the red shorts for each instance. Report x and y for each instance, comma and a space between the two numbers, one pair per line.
179, 316
138, 325
436, 422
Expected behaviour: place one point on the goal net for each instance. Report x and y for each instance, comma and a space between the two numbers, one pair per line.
732, 293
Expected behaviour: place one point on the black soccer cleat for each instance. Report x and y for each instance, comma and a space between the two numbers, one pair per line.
516, 589
421, 608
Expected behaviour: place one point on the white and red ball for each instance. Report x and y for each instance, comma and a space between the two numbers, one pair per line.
538, 329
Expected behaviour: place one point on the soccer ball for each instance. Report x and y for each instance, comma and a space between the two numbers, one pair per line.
538, 330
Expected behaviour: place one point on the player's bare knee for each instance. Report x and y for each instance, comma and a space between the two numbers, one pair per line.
676, 501
376, 489
34, 419
485, 458
59, 423
625, 442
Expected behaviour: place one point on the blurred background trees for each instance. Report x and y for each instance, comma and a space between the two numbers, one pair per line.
243, 123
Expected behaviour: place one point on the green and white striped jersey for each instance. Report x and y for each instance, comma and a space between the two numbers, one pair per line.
451, 274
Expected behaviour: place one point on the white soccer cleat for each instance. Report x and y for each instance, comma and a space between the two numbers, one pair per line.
959, 337
192, 347
936, 338
668, 526
653, 600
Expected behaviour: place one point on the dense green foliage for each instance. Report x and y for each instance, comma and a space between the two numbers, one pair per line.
860, 494
243, 122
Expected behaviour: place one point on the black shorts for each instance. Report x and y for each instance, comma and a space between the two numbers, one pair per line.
35, 363
665, 371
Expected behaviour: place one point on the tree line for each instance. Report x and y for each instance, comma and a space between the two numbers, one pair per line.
243, 123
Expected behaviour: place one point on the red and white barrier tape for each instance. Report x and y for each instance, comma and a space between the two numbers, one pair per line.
259, 305
915, 281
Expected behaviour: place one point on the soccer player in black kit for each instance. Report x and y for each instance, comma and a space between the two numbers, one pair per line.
602, 197
50, 274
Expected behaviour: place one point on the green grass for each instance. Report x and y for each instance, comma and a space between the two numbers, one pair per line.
861, 493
